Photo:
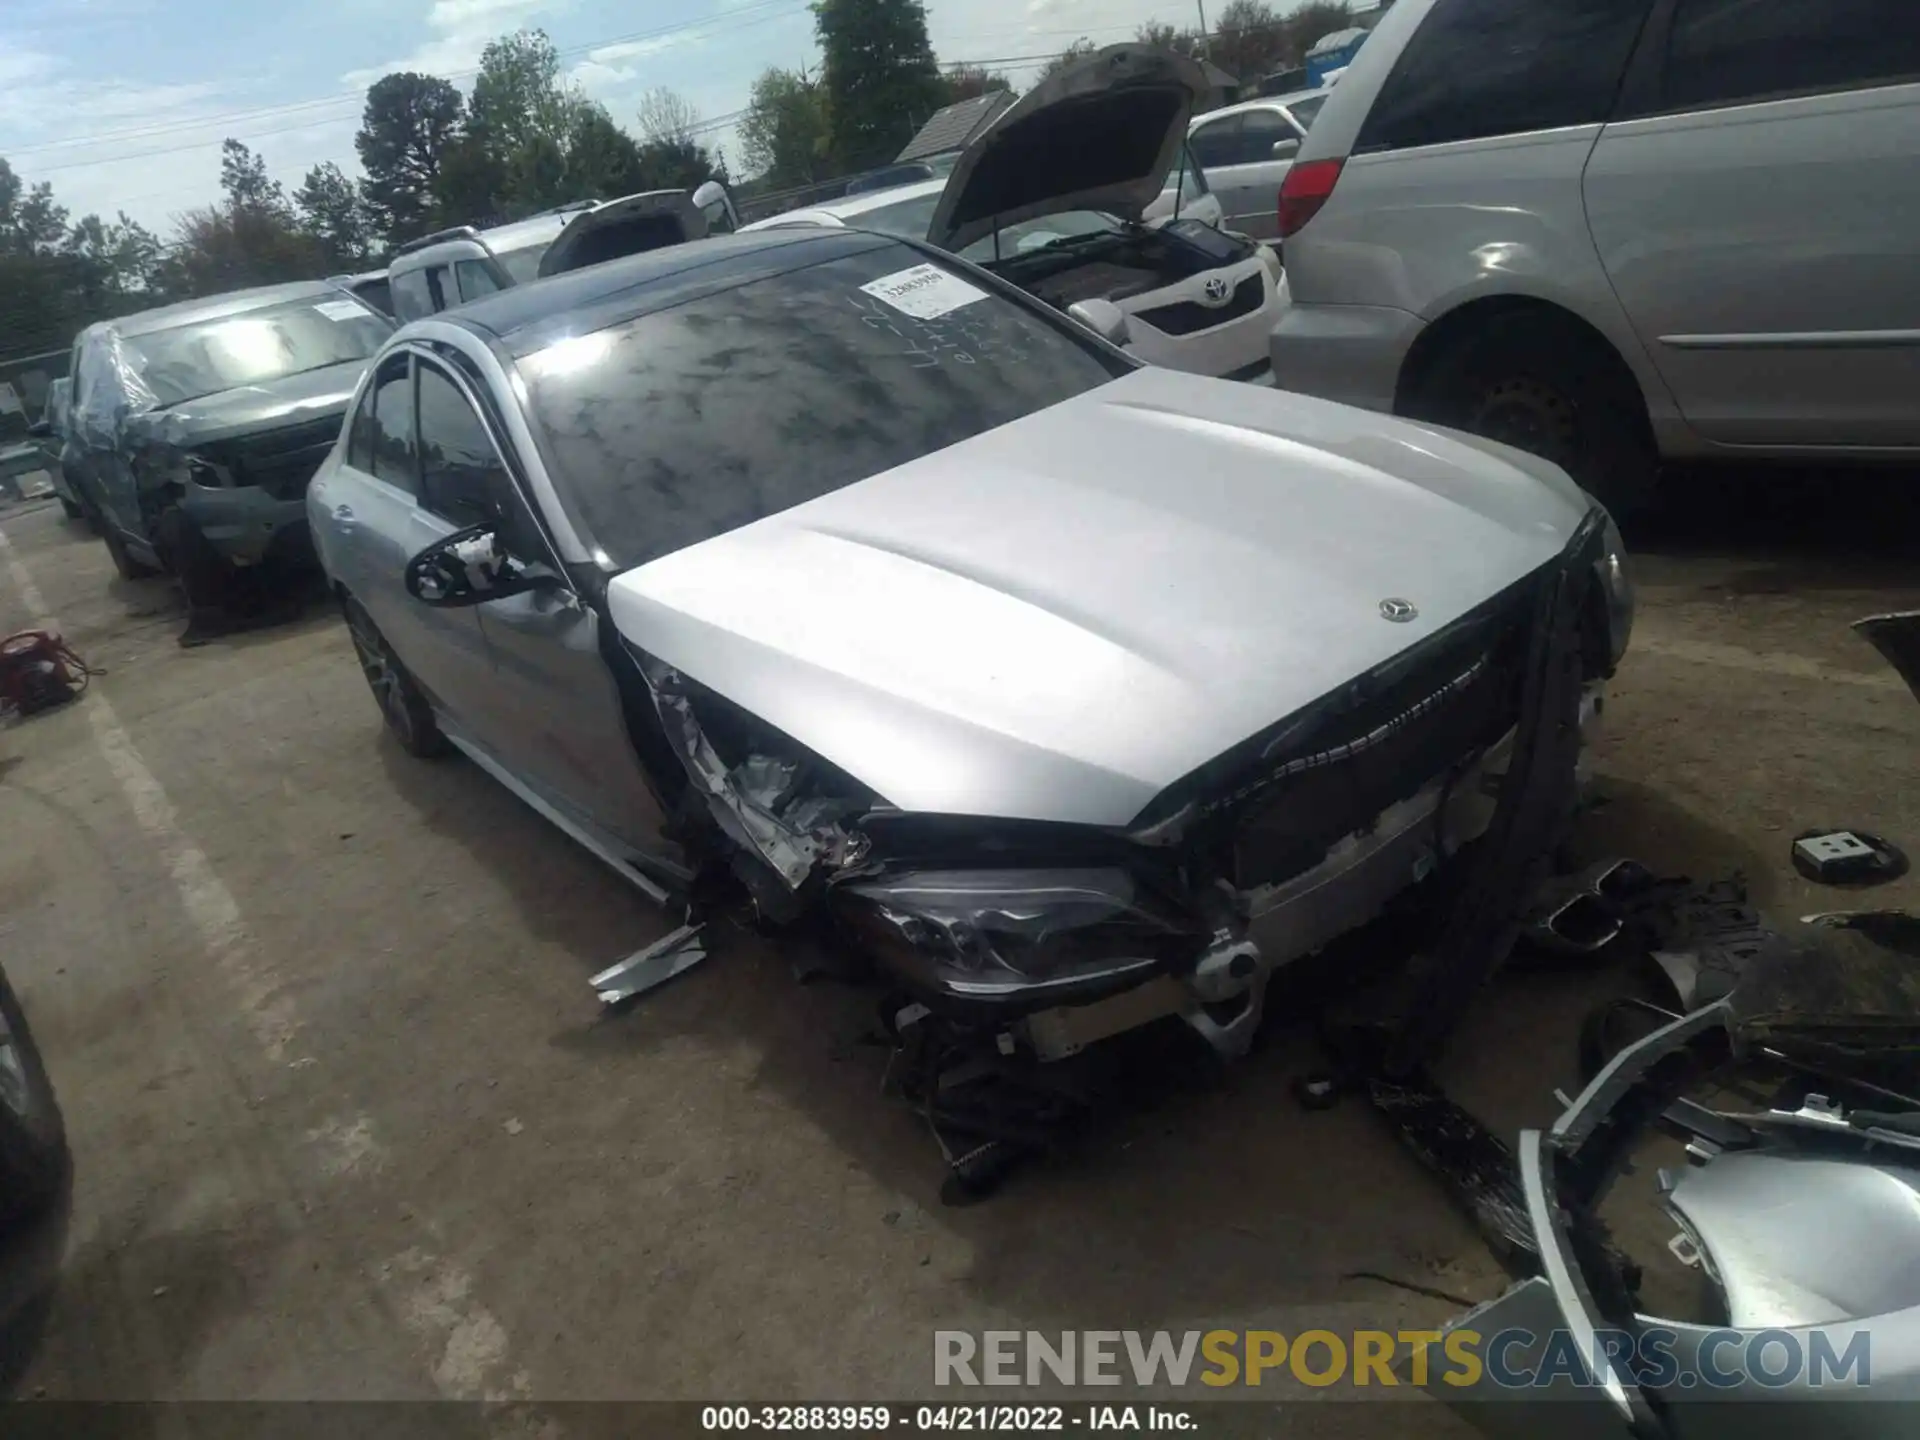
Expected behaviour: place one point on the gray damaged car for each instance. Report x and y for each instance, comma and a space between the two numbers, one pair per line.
1067, 693
192, 430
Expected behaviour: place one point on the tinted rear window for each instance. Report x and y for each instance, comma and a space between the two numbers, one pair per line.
1479, 68
1725, 51
696, 420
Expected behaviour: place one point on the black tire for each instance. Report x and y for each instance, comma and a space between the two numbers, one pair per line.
1543, 384
72, 508
401, 704
33, 1137
203, 572
123, 561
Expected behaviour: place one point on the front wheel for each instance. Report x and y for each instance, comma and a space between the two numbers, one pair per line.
123, 560
1544, 385
401, 704
33, 1137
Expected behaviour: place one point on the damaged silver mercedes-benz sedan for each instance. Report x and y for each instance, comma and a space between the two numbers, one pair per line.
1072, 694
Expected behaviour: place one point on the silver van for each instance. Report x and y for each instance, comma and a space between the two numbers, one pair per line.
1614, 232
1246, 151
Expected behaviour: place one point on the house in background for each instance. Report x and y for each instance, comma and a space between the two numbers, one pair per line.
948, 131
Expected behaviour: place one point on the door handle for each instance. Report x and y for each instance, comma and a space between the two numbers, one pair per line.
343, 514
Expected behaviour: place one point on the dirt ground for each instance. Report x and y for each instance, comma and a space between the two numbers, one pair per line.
348, 1123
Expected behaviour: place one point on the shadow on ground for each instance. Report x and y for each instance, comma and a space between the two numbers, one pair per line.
1802, 527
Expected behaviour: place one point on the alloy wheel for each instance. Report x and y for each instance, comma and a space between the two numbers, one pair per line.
383, 674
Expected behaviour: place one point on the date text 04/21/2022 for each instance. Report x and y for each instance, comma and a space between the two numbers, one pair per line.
877, 1419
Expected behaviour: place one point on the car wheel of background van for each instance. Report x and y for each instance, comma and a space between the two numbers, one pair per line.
33, 1137
405, 709
1543, 385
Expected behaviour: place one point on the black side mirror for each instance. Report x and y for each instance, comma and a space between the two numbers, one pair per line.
40, 430
471, 567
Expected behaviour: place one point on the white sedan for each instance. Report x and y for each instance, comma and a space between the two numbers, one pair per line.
1126, 241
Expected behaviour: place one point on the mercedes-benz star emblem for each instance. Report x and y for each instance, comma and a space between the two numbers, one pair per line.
1215, 290
1397, 610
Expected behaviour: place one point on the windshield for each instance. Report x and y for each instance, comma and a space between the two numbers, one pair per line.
254, 347
1031, 235
524, 264
1303, 111
908, 219
732, 406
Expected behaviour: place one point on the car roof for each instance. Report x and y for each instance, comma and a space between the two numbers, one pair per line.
854, 206
530, 317
501, 239
1263, 102
215, 307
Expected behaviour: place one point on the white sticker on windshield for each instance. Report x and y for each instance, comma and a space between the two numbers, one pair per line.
341, 309
925, 292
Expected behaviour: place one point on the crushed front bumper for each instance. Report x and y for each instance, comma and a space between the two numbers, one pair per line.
1515, 792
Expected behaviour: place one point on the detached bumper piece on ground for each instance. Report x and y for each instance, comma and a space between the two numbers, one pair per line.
1803, 1215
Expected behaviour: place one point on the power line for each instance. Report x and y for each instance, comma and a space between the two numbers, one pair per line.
762, 11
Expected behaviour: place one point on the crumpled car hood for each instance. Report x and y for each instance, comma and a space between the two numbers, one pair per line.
292, 400
1059, 618
1102, 133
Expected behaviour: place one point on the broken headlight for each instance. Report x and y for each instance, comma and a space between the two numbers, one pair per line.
991, 935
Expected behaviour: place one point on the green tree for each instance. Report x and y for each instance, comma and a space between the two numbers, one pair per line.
471, 187
1078, 50
55, 278
969, 82
784, 135
1168, 37
409, 124
332, 212
30, 221
601, 159
1310, 23
518, 96
246, 184
880, 76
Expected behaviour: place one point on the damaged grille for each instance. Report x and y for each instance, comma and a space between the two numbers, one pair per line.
1189, 316
1415, 728
280, 462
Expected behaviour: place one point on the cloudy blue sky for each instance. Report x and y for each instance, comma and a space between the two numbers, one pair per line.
121, 104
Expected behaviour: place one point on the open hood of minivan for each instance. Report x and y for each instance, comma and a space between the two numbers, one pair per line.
1101, 134
651, 220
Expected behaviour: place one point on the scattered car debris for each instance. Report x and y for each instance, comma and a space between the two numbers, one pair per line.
1742, 1210
1897, 637
647, 969
1847, 857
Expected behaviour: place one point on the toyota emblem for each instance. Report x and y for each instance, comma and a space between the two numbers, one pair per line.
1215, 290
1397, 610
